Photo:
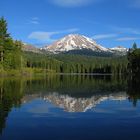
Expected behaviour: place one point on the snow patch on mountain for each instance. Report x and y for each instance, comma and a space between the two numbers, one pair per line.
74, 42
119, 48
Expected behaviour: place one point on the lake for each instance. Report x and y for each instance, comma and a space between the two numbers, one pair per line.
69, 107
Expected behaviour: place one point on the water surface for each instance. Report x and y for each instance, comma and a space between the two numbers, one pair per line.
69, 107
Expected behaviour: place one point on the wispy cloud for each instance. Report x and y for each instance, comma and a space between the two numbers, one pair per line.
135, 4
34, 20
42, 36
69, 30
128, 39
47, 37
72, 3
126, 30
88, 21
104, 36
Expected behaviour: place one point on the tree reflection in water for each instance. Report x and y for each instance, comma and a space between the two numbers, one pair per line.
13, 92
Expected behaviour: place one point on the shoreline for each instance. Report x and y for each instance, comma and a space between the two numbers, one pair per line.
41, 72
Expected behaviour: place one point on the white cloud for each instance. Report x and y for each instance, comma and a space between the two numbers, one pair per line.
135, 4
104, 36
128, 39
47, 36
127, 30
34, 20
42, 36
70, 30
72, 3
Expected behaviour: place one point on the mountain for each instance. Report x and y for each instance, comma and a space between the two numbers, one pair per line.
79, 44
75, 42
119, 50
30, 48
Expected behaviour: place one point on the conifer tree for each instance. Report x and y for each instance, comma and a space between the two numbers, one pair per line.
134, 47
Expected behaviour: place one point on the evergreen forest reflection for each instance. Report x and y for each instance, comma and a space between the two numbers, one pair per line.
74, 93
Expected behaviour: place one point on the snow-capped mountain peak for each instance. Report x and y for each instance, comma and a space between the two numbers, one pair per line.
80, 44
119, 48
74, 42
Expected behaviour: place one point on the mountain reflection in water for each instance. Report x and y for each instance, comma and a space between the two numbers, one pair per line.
72, 93
71, 104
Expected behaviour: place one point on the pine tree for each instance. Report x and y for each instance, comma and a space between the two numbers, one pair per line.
3, 30
134, 47
3, 36
10, 50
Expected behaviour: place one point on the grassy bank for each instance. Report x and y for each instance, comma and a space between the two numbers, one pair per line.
25, 72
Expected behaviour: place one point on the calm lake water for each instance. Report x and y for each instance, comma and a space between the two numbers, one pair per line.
68, 107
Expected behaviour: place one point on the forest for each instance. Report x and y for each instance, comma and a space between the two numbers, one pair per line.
13, 58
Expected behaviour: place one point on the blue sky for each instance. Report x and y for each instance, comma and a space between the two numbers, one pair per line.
39, 22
